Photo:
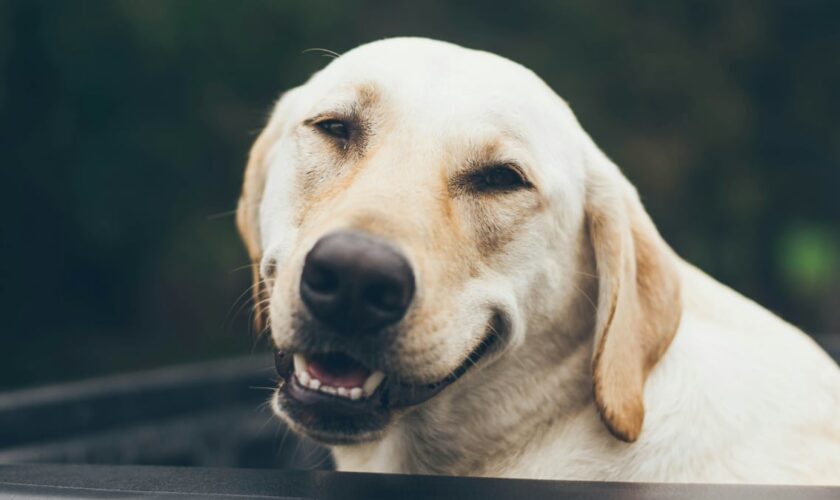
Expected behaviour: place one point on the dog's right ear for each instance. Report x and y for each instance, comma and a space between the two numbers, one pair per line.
247, 217
248, 208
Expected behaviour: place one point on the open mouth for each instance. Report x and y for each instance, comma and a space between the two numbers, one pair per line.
335, 391
336, 374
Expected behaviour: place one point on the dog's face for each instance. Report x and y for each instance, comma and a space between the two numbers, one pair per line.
415, 210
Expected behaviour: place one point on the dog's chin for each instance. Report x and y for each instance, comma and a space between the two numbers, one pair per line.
327, 422
337, 400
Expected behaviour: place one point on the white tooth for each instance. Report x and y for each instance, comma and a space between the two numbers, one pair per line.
328, 389
300, 363
355, 393
373, 381
342, 391
303, 377
314, 383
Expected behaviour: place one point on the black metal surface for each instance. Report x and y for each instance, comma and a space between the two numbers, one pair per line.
85, 481
210, 414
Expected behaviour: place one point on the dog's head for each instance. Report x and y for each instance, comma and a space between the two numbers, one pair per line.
416, 210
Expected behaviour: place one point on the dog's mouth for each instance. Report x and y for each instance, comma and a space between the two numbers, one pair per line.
335, 377
336, 397
334, 374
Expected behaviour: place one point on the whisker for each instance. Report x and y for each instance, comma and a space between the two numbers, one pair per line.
247, 304
283, 439
262, 388
240, 297
268, 420
327, 52
246, 266
326, 456
262, 333
221, 215
591, 302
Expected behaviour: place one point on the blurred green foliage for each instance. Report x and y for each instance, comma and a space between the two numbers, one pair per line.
124, 126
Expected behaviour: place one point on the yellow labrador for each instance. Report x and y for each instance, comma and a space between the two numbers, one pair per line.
458, 281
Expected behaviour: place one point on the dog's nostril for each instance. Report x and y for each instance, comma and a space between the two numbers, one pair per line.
320, 279
385, 297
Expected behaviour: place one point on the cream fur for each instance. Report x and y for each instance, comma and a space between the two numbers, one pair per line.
730, 392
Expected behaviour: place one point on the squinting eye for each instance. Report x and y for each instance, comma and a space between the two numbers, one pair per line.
498, 178
334, 128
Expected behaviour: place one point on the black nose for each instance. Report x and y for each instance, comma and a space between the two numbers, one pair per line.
355, 282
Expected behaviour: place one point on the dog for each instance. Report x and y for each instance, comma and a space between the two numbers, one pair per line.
458, 281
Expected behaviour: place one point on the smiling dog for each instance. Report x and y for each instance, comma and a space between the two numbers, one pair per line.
458, 281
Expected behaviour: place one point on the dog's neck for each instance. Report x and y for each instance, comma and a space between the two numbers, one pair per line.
483, 424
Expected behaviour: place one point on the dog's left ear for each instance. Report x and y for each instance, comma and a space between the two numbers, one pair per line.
639, 305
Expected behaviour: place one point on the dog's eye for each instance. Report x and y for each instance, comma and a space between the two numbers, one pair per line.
498, 178
334, 128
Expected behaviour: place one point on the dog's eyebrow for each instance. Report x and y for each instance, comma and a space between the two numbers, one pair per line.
367, 95
338, 114
495, 152
363, 98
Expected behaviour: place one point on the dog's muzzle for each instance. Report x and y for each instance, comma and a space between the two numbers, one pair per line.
356, 288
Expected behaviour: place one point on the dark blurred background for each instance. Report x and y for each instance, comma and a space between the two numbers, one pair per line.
124, 128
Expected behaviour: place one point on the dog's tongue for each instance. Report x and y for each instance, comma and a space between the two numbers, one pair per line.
338, 370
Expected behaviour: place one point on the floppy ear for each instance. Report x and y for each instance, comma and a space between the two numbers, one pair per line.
247, 216
248, 208
639, 305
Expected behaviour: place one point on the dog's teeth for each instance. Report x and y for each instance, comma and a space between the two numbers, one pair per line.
300, 363
309, 381
373, 381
